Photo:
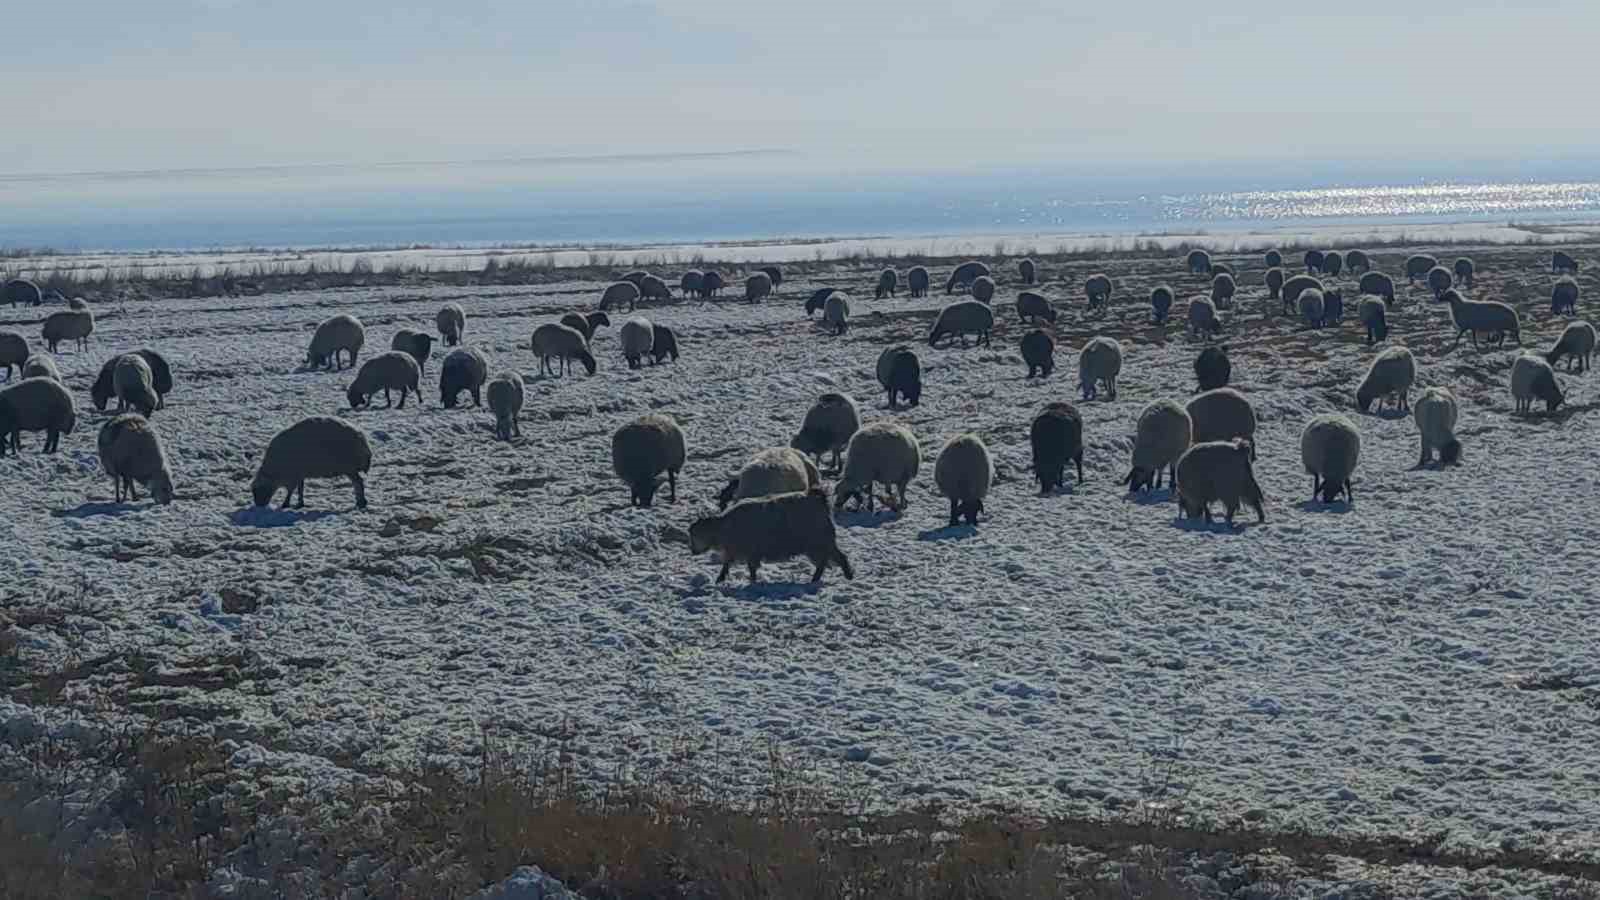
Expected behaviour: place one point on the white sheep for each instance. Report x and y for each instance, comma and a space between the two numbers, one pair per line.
132, 453
505, 392
36, 404
1564, 296
1222, 415
563, 343
836, 312
1577, 341
1435, 413
1489, 316
13, 350
40, 365
1391, 375
1379, 285
888, 282
1311, 304
1419, 265
963, 473
964, 275
390, 370
1203, 321
1374, 314
637, 337
829, 424
1100, 362
776, 470
917, 280
884, 452
451, 320
416, 343
962, 318
68, 325
464, 369
314, 447
1218, 470
1290, 293
1222, 290
620, 293
336, 334
1028, 270
103, 389
1330, 447
1534, 379
1164, 433
1097, 288
757, 286
1161, 297
983, 289
644, 448
1032, 307
771, 529
134, 384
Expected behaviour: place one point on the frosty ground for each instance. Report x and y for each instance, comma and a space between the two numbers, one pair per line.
1421, 660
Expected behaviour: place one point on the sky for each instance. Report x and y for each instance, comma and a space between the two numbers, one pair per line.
890, 85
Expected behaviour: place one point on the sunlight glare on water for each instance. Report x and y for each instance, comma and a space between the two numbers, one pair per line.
1467, 200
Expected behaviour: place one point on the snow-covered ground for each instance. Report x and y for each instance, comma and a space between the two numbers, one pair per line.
1350, 667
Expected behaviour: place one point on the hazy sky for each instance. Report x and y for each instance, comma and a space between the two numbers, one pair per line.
114, 85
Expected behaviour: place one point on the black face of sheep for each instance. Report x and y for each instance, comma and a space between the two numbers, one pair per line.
1450, 453
587, 359
1329, 490
724, 497
1546, 389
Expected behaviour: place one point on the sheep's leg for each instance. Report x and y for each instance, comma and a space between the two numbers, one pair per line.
133, 491
1316, 485
1080, 466
955, 513
723, 575
754, 566
477, 396
361, 489
672, 485
388, 400
288, 497
300, 499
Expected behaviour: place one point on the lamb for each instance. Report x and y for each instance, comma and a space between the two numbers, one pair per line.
1313, 260
1163, 435
1100, 361
830, 423
664, 344
1465, 270
1274, 282
964, 275
692, 284
391, 370
777, 470
465, 369
315, 447
451, 321
1032, 307
69, 324
1218, 470
1378, 284
1357, 261
1439, 281
653, 288
418, 344
1098, 289
563, 343
917, 280
21, 290
36, 404
1488, 316
774, 273
888, 282
962, 318
836, 312
1311, 305
1419, 265
1039, 352
505, 401
1561, 262
818, 299
134, 384
1213, 369
1274, 259
1293, 288
1028, 271
131, 452
638, 338
1391, 375
769, 529
1222, 290
40, 365
1435, 413
1161, 297
1056, 436
336, 334
900, 373
1222, 415
1199, 262
1564, 296
1330, 447
1577, 341
757, 286
1332, 263
885, 452
620, 293
644, 448
586, 323
1533, 379
983, 289
103, 389
963, 473
1374, 315
711, 283
1203, 317
13, 350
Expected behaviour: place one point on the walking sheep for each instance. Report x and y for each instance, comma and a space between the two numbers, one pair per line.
917, 280
772, 529
637, 337
1274, 282
983, 289
103, 388
618, 294
1028, 271
830, 423
1039, 352
40, 365
505, 392
416, 343
1213, 369
1378, 284
68, 325
1357, 261
1222, 415
1533, 379
1056, 436
1390, 376
21, 290
960, 319
888, 282
900, 374
1199, 262
964, 275
757, 286
664, 344
1161, 297
1489, 316
1439, 281
1218, 470
1435, 412
35, 404
314, 447
836, 312
1577, 341
13, 350
1561, 262
776, 470
1293, 288
337, 334
585, 324
1032, 307
1099, 362
1465, 270
391, 370
963, 473
1330, 447
131, 453
884, 452
1203, 321
1098, 289
1332, 263
1374, 317
134, 384
562, 343
1564, 296
451, 321
1164, 433
464, 369
642, 450
1418, 266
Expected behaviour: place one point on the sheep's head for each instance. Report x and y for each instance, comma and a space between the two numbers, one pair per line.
161, 487
596, 319
843, 492
356, 398
703, 535
261, 490
1364, 397
587, 359
1138, 478
726, 495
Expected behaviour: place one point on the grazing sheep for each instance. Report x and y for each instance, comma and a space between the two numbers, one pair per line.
818, 299
636, 277
13, 350
692, 284
983, 289
1391, 375
69, 324
1203, 319
771, 529
1439, 281
40, 365
644, 448
711, 284
416, 343
1330, 447
21, 290
1199, 262
1039, 352
315, 447
1313, 259
464, 369
585, 324
131, 453
1357, 261
1274, 282
964, 275
1274, 259
620, 293
1332, 307
103, 389
1374, 316
653, 288
963, 473
35, 404
776, 470
1213, 369
665, 344
757, 286
451, 321
1378, 284
1222, 290
1098, 289
1534, 379
1218, 470
900, 373
774, 273
1561, 262
1293, 288
1028, 271
1577, 341
1311, 304
1100, 361
1222, 415
884, 452
888, 283
831, 422
337, 334
1163, 435
1056, 436
1564, 296
134, 384
563, 343
1032, 307
1222, 269
962, 318
391, 370
1419, 265
1465, 270
1161, 297
638, 338
1332, 263
917, 280
1435, 412
505, 392
836, 312
1488, 316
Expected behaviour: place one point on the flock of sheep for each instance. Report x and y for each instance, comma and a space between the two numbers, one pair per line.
774, 508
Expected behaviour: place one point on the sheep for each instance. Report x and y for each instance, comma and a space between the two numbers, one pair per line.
644, 448
774, 273
40, 365
1274, 259
983, 289
314, 447
1313, 260
1357, 261
1099, 361
1293, 288
134, 384
1330, 447
131, 452
963, 473
1160, 303
620, 293
1274, 282
962, 318
465, 369
1418, 265
1564, 296
1391, 375
636, 277
1098, 289
563, 343
1332, 307
692, 284
391, 370
1439, 281
1032, 307
917, 280
1378, 284
1222, 269
1222, 290
900, 374
1039, 352
836, 312
777, 470
36, 404
1332, 263
831, 422
1164, 432
1435, 412
964, 275
653, 288
21, 290
757, 286
1561, 262
1213, 369
1203, 317
1465, 270
1222, 414
885, 452
663, 344
104, 389
1577, 341
1029, 271
1488, 316
818, 299
336, 334
888, 282
1199, 262
1373, 314
1219, 470
585, 324
1533, 379
770, 529
13, 350
1311, 304
1056, 436
637, 337
69, 324
505, 392
711, 284
451, 320
418, 344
